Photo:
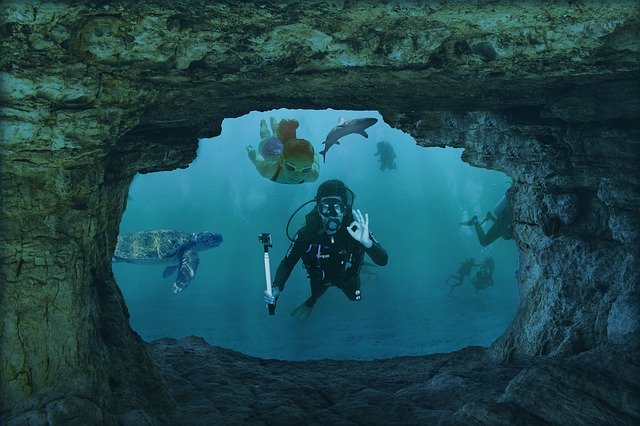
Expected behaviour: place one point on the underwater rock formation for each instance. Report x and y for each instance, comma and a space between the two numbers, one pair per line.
219, 386
94, 93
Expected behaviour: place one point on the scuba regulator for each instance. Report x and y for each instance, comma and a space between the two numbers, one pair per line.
313, 220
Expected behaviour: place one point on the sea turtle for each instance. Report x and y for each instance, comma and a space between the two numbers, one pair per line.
178, 249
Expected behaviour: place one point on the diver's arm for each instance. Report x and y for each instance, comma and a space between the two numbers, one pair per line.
377, 253
266, 168
282, 275
359, 230
286, 265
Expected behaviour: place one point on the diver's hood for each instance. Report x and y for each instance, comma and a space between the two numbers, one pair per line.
335, 188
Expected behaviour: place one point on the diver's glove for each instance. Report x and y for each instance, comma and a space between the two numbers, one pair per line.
270, 299
359, 229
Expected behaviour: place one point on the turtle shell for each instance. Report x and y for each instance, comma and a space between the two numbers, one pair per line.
149, 246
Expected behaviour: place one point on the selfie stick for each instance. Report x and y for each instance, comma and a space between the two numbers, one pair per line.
265, 239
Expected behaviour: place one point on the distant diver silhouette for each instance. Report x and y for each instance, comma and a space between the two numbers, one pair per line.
463, 271
484, 276
501, 227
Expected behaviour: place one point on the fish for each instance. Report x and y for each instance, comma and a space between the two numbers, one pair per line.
345, 128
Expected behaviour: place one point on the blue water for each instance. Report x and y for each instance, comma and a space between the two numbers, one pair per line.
413, 210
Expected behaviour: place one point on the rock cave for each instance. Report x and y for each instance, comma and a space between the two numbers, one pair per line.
95, 92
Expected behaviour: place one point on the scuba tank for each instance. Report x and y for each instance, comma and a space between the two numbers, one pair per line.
502, 204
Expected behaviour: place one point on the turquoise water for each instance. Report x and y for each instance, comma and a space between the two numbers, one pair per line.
413, 210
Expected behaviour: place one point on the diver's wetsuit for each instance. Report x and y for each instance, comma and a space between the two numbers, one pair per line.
502, 224
330, 261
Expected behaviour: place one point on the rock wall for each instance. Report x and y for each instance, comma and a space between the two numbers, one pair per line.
94, 92
574, 203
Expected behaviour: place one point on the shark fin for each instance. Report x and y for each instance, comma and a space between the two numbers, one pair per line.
363, 133
169, 270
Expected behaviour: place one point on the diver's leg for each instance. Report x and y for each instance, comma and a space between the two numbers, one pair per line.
274, 126
264, 132
492, 234
456, 285
304, 309
351, 289
489, 216
317, 289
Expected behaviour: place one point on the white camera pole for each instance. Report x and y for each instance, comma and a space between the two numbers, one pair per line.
265, 239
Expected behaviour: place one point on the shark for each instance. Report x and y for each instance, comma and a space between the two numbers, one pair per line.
345, 128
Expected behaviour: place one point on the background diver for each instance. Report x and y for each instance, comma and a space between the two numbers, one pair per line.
463, 271
331, 245
484, 275
501, 226
386, 155
281, 156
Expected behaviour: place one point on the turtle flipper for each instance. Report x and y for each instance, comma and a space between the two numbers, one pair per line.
169, 270
187, 270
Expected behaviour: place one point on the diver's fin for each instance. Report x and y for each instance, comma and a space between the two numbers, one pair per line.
169, 270
469, 222
302, 312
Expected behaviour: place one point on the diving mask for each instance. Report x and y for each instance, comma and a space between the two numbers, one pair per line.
331, 209
292, 168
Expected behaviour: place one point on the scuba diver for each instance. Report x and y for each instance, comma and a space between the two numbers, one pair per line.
484, 275
501, 227
282, 157
332, 245
463, 271
386, 155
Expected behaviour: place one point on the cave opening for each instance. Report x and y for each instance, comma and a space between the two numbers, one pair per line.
408, 306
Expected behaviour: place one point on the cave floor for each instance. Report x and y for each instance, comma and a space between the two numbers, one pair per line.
212, 385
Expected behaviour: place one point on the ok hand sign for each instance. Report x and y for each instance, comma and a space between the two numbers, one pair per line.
359, 229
